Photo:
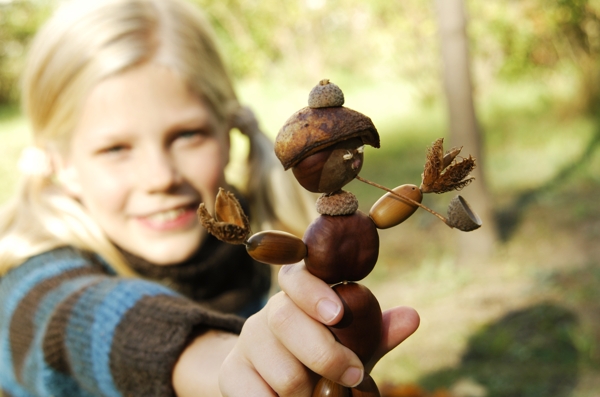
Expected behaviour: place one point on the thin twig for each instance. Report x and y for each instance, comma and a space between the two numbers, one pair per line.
406, 199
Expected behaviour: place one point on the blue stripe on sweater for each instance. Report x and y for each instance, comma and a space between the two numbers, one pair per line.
36, 372
14, 286
92, 326
24, 278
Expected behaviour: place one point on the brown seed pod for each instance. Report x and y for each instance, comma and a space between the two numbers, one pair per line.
391, 210
230, 224
461, 216
341, 248
360, 329
332, 168
310, 130
325, 94
276, 247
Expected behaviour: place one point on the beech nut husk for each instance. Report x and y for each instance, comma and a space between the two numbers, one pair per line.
275, 247
461, 216
309, 130
341, 248
391, 210
229, 224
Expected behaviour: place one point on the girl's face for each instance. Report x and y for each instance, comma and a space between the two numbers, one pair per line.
145, 153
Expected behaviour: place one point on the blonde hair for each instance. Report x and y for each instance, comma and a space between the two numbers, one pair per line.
88, 41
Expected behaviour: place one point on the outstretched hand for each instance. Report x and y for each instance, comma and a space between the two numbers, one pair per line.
282, 348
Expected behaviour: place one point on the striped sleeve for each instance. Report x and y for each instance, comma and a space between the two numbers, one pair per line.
69, 328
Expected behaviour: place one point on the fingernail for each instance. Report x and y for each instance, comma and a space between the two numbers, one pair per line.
328, 310
352, 377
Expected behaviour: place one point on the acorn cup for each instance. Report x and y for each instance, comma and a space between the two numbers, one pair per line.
461, 216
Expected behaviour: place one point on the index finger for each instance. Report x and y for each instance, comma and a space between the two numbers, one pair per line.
311, 294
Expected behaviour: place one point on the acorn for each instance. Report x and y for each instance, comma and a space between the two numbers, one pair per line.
341, 248
321, 129
275, 247
390, 210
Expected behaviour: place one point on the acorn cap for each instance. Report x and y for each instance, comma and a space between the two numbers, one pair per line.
309, 130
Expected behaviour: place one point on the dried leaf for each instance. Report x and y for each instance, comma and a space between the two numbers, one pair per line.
230, 224
443, 173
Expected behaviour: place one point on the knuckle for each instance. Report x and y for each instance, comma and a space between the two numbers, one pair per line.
280, 314
292, 382
329, 362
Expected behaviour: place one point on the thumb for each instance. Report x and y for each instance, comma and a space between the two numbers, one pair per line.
398, 324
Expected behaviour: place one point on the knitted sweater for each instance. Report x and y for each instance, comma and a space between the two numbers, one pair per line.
70, 327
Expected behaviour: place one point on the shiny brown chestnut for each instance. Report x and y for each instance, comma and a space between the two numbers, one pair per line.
361, 328
367, 388
341, 248
328, 388
332, 168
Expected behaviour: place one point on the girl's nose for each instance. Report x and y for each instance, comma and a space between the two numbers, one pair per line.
159, 173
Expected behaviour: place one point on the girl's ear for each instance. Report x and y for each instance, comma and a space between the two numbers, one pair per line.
66, 175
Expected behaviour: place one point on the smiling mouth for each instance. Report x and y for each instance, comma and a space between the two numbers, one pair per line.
173, 218
167, 216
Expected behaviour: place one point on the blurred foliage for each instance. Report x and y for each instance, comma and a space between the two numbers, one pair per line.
305, 40
19, 20
526, 353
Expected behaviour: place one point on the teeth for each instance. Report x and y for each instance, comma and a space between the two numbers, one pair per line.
166, 216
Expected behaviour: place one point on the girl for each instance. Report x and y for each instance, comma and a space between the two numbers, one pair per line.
109, 284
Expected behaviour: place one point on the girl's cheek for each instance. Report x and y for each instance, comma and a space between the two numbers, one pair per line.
107, 188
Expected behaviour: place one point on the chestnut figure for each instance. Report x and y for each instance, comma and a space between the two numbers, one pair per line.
323, 145
341, 248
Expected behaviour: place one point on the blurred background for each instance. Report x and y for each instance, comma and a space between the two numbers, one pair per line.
512, 309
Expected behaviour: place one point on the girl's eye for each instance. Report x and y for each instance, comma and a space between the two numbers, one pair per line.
115, 149
191, 134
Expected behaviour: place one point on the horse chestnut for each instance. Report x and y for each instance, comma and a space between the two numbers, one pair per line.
360, 329
341, 248
332, 168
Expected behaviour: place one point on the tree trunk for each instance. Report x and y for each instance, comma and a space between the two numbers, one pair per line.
464, 129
